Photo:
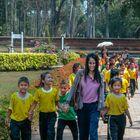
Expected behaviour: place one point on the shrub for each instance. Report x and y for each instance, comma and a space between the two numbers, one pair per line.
66, 57
26, 61
64, 72
139, 62
82, 53
3, 109
44, 48
58, 75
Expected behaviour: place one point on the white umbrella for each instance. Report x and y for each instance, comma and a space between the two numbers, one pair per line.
106, 44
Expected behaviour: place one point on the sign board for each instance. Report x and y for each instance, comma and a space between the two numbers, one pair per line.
16, 36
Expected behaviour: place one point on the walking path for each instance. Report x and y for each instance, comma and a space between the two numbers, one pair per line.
131, 133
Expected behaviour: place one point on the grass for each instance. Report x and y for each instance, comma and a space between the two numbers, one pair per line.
8, 85
9, 80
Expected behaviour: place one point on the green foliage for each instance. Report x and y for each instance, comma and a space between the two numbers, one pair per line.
45, 48
132, 4
26, 61
82, 54
66, 57
32, 17
3, 109
4, 132
139, 62
2, 12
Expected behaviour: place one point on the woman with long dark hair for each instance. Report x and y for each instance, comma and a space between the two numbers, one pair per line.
87, 95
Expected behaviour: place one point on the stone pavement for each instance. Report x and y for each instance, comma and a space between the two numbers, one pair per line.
131, 133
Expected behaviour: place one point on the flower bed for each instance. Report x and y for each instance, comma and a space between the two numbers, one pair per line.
60, 73
64, 72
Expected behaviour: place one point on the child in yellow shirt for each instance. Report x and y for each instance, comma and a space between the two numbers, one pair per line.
47, 97
75, 68
125, 84
126, 73
116, 106
133, 76
20, 104
105, 74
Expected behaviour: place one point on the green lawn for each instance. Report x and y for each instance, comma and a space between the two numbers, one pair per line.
8, 80
8, 84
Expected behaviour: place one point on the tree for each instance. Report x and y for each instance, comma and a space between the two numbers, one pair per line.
132, 4
76, 18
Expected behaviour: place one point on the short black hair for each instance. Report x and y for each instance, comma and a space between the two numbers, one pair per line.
23, 79
114, 72
64, 82
75, 65
115, 79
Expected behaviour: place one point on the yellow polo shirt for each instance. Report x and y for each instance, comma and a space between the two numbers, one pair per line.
125, 85
132, 73
126, 75
116, 104
71, 79
20, 106
47, 99
106, 74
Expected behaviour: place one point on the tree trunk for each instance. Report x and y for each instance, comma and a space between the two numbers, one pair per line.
6, 17
107, 18
89, 19
70, 19
53, 14
93, 19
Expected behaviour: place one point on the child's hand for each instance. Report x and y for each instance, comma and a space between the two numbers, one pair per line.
7, 122
131, 123
102, 114
30, 116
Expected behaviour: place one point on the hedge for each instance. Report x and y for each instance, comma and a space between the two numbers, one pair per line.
68, 56
26, 61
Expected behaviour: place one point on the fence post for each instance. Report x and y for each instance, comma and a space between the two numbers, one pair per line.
62, 41
16, 36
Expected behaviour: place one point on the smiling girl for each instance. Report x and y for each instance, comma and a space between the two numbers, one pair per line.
117, 108
47, 97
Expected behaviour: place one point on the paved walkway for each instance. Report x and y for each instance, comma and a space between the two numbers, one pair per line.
131, 133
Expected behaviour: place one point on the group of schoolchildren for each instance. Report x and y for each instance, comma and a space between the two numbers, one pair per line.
120, 73
50, 100
120, 78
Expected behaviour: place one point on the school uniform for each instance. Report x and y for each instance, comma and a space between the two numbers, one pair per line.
71, 79
126, 75
66, 119
125, 85
106, 74
19, 118
117, 105
47, 112
133, 75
